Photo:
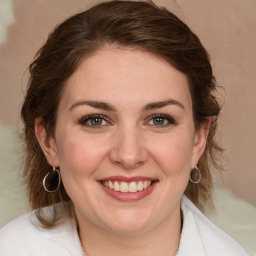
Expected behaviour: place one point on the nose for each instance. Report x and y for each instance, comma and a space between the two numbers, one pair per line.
128, 150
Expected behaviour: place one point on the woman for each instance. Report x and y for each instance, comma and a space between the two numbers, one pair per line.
119, 121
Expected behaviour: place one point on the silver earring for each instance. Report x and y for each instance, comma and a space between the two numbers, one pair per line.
191, 179
51, 181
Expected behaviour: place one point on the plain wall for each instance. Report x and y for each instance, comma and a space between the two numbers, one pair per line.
227, 30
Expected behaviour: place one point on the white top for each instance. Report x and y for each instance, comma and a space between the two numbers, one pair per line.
200, 237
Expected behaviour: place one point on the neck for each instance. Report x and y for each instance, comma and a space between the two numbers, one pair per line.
162, 240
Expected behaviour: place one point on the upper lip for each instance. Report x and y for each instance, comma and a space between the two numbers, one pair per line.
128, 179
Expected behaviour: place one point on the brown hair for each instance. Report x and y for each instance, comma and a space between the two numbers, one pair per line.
136, 24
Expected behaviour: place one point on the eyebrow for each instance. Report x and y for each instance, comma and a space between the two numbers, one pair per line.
109, 107
94, 104
161, 104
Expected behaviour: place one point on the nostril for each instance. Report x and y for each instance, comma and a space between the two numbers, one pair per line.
128, 160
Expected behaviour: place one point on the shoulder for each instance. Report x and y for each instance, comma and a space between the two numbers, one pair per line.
25, 236
16, 232
200, 232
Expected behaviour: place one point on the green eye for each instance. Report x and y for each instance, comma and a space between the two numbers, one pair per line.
161, 120
93, 120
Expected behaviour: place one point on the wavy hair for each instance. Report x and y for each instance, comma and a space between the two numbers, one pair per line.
136, 24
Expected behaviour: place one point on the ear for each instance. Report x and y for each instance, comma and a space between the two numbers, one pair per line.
200, 141
47, 143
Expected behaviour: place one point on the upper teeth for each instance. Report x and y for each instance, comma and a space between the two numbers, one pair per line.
127, 186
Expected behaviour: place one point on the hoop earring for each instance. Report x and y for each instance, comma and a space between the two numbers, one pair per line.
51, 181
191, 176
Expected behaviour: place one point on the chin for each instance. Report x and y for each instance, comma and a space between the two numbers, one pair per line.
127, 221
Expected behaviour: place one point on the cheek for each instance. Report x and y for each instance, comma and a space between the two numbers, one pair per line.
173, 154
79, 155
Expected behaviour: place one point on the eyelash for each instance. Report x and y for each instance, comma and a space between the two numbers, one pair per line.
169, 119
84, 121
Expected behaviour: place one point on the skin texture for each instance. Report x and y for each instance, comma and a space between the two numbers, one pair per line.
128, 142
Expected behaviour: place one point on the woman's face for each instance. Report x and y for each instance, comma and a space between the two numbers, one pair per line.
125, 141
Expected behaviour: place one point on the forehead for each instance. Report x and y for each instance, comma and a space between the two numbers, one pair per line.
123, 75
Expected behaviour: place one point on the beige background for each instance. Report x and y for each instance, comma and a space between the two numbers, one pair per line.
226, 28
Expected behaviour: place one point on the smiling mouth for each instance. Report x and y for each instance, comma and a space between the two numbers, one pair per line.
127, 187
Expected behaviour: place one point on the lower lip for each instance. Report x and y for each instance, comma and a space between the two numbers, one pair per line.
128, 197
